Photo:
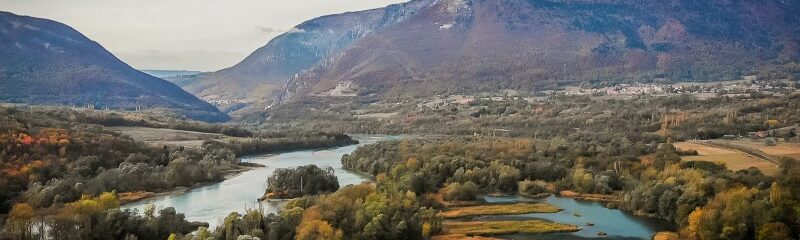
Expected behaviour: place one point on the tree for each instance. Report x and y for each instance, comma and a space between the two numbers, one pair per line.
460, 192
20, 220
692, 231
300, 181
774, 231
532, 188
315, 230
426, 230
775, 193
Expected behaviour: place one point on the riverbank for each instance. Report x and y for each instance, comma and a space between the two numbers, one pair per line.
135, 197
138, 196
212, 203
500, 209
489, 228
606, 198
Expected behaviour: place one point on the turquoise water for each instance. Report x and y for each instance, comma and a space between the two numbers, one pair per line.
213, 202
618, 224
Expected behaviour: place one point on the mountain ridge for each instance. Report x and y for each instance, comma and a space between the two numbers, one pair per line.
426, 47
47, 62
266, 70
534, 44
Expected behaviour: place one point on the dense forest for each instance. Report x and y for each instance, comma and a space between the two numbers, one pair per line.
55, 161
67, 164
704, 199
365, 211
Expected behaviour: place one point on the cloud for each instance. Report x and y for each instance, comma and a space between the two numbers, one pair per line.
296, 30
269, 30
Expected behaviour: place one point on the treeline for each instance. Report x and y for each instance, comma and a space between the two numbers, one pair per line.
654, 118
282, 143
363, 211
708, 201
49, 161
287, 183
705, 200
493, 164
137, 119
94, 218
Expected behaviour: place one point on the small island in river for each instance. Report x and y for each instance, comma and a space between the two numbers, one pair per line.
288, 183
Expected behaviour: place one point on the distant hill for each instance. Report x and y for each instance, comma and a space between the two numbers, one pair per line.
170, 73
181, 78
47, 62
265, 71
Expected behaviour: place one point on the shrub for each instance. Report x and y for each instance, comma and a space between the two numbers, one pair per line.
532, 188
461, 192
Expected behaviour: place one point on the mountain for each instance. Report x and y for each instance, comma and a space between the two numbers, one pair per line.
181, 78
257, 77
467, 46
163, 74
47, 62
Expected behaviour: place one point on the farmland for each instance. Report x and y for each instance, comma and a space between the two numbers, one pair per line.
781, 149
171, 137
733, 159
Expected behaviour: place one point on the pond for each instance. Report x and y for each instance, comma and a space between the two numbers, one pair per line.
214, 202
616, 223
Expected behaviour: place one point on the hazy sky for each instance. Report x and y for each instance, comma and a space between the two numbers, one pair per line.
184, 34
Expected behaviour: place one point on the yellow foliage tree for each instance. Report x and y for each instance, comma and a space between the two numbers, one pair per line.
775, 194
315, 230
313, 227
426, 230
108, 200
772, 123
694, 223
88, 206
20, 220
412, 163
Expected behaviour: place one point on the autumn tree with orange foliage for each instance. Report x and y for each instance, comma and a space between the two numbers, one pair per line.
313, 227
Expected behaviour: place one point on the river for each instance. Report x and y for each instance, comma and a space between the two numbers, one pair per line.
214, 202
616, 223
